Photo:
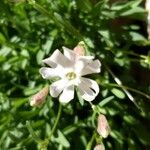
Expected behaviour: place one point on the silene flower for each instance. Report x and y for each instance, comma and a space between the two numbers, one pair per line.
70, 67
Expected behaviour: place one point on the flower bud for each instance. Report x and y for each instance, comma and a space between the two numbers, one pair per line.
38, 98
80, 49
99, 147
103, 127
147, 7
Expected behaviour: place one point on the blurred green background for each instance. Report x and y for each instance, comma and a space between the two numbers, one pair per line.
115, 32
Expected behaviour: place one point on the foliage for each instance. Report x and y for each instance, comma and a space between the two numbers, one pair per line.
114, 32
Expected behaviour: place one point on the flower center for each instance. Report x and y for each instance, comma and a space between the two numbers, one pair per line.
71, 75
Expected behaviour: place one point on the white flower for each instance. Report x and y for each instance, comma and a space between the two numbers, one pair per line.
70, 68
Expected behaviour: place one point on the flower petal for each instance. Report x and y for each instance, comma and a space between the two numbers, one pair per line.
82, 62
86, 57
57, 58
57, 87
67, 94
49, 60
79, 65
88, 88
70, 54
49, 72
93, 67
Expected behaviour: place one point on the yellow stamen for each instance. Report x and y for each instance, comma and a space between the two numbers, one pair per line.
71, 75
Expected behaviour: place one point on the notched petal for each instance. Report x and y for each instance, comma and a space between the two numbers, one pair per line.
92, 67
57, 87
67, 94
88, 88
48, 73
69, 54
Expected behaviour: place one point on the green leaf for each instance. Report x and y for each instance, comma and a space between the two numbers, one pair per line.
19, 102
47, 46
117, 136
106, 100
40, 55
98, 6
2, 38
125, 6
31, 90
118, 93
5, 51
84, 5
69, 129
136, 37
81, 100
136, 11
62, 139
106, 37
130, 119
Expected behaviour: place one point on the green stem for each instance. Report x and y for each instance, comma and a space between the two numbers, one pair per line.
124, 87
56, 121
134, 54
89, 145
118, 81
130, 89
44, 143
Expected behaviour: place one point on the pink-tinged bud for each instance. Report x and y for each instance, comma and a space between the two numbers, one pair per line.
147, 6
38, 98
80, 49
99, 147
103, 127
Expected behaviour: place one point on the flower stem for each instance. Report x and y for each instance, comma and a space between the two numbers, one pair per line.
56, 121
89, 145
129, 88
119, 83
